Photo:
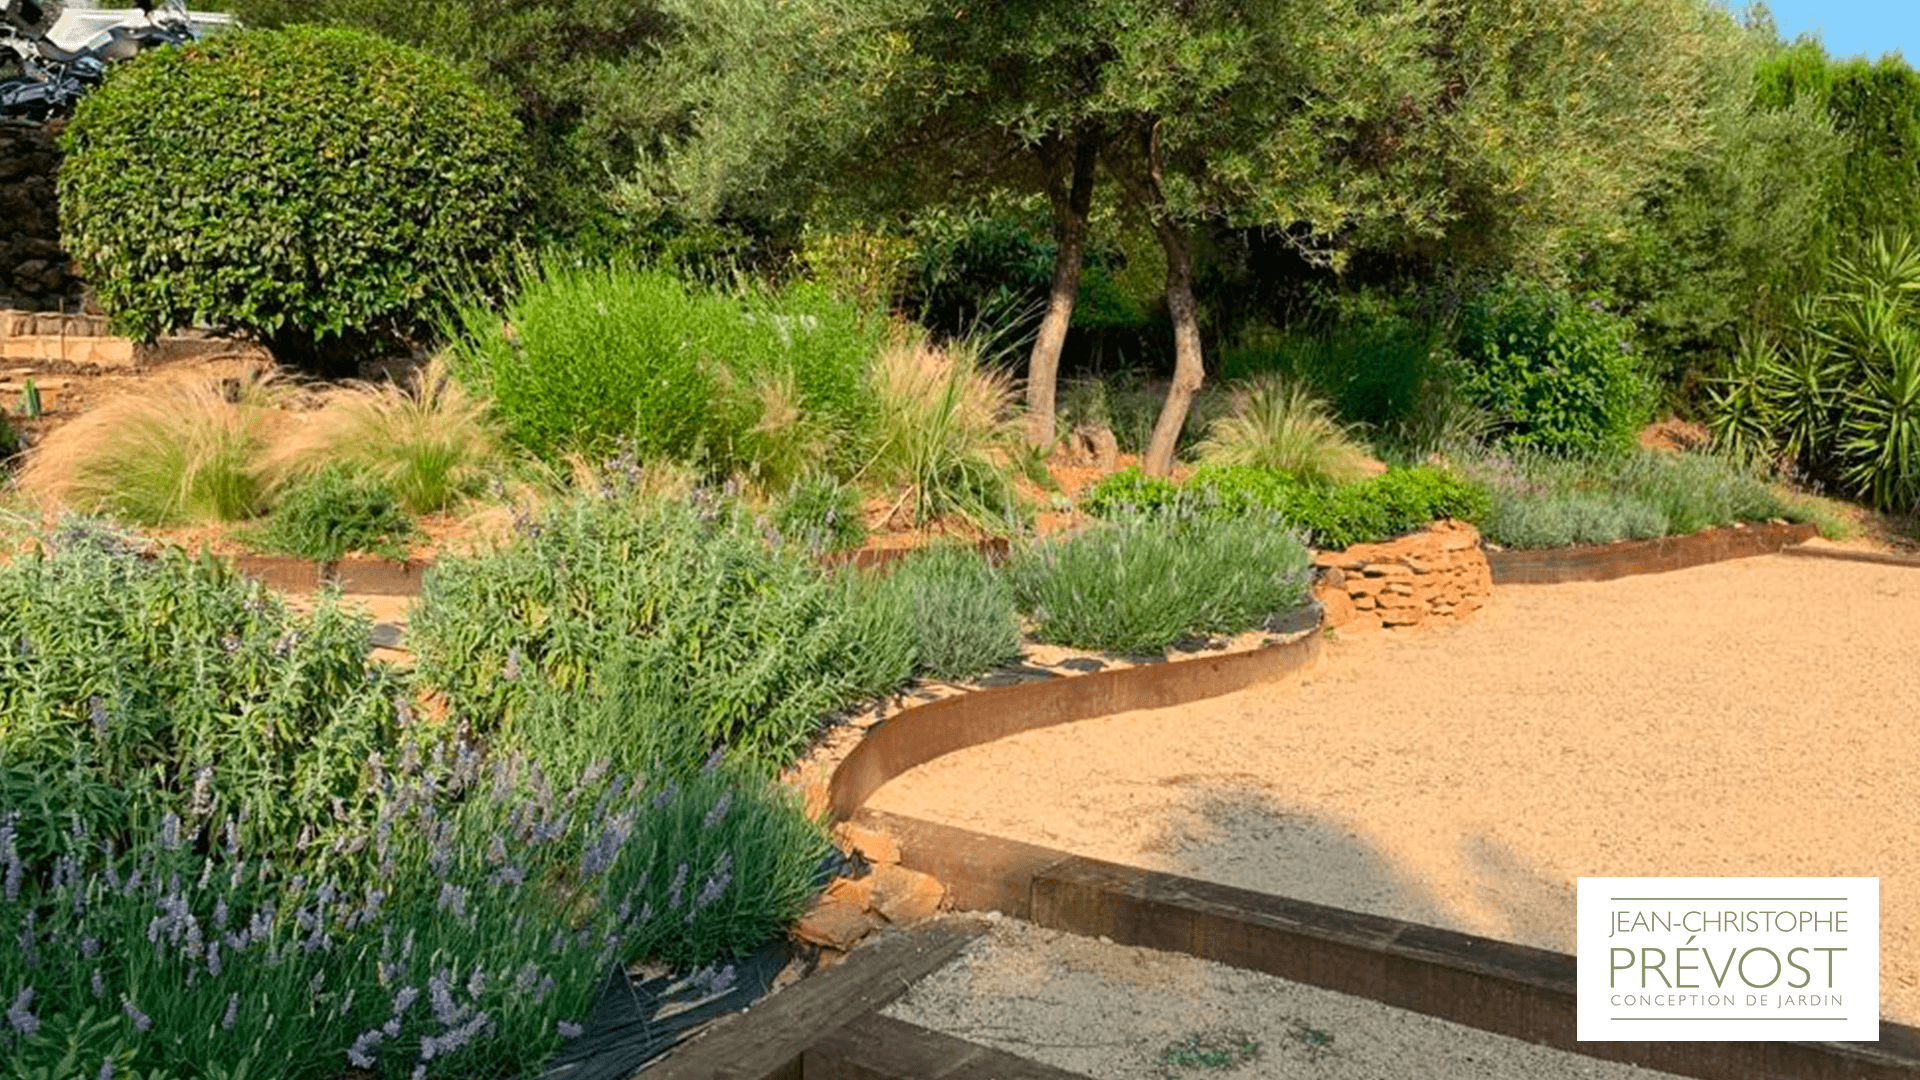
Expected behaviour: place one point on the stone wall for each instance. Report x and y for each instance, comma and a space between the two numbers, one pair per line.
1435, 576
33, 268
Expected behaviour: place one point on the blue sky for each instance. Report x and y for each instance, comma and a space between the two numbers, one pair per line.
1851, 27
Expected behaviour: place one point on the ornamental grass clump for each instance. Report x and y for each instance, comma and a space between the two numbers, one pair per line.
430, 441
1144, 581
945, 430
191, 450
1280, 424
468, 933
723, 634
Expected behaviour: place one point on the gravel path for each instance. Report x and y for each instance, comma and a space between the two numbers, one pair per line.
1752, 718
1113, 1012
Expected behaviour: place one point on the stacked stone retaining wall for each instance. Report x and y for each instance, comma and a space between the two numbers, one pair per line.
1437, 575
34, 269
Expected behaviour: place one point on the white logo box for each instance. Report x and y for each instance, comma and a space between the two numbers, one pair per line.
1728, 959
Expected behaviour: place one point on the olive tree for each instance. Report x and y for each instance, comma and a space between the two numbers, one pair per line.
1496, 125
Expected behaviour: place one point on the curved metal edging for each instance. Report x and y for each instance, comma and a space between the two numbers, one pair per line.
925, 732
1605, 562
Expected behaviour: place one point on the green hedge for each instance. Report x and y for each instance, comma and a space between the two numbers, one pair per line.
1383, 507
299, 183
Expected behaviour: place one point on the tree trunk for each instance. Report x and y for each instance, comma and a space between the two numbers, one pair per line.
1072, 201
1188, 371
1148, 193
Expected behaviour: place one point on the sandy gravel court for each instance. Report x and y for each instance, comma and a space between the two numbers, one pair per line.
1759, 717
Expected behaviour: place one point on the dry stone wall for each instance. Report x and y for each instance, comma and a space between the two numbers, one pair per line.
34, 270
1434, 576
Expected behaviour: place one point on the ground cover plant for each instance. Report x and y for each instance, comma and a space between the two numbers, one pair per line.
1540, 501
134, 685
331, 513
467, 937
729, 635
1331, 516
1143, 581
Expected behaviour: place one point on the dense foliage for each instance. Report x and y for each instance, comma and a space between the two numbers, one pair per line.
651, 633
589, 358
1144, 581
329, 514
301, 184
136, 685
961, 610
1396, 502
1557, 373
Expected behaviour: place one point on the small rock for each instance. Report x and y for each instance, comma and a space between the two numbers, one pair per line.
834, 923
857, 892
1336, 604
901, 895
829, 959
1082, 663
874, 846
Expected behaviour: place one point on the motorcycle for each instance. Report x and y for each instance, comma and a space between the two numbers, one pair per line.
61, 62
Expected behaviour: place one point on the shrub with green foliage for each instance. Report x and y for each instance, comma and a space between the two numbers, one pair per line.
302, 184
133, 685
1144, 581
325, 516
651, 633
1383, 507
1556, 373
588, 359
961, 608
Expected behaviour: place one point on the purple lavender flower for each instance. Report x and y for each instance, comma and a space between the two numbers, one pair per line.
99, 985
360, 1054
440, 995
89, 947
713, 761
170, 831
213, 958
232, 1014
719, 811
106, 1070
10, 856
97, 712
476, 982
511, 671
568, 1029
19, 1016
141, 1021
678, 884
453, 900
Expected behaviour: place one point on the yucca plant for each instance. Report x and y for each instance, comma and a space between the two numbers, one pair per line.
1280, 424
179, 451
428, 442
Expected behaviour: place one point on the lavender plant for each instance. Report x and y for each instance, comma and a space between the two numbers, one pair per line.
723, 631
490, 908
136, 683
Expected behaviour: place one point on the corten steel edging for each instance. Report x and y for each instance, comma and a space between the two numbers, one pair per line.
1877, 558
1606, 562
1492, 985
925, 732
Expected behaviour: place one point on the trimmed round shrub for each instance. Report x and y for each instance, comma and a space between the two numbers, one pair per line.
1558, 374
302, 184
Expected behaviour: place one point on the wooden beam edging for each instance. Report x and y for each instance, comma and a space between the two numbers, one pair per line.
876, 1047
1492, 985
771, 1040
925, 732
1605, 562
